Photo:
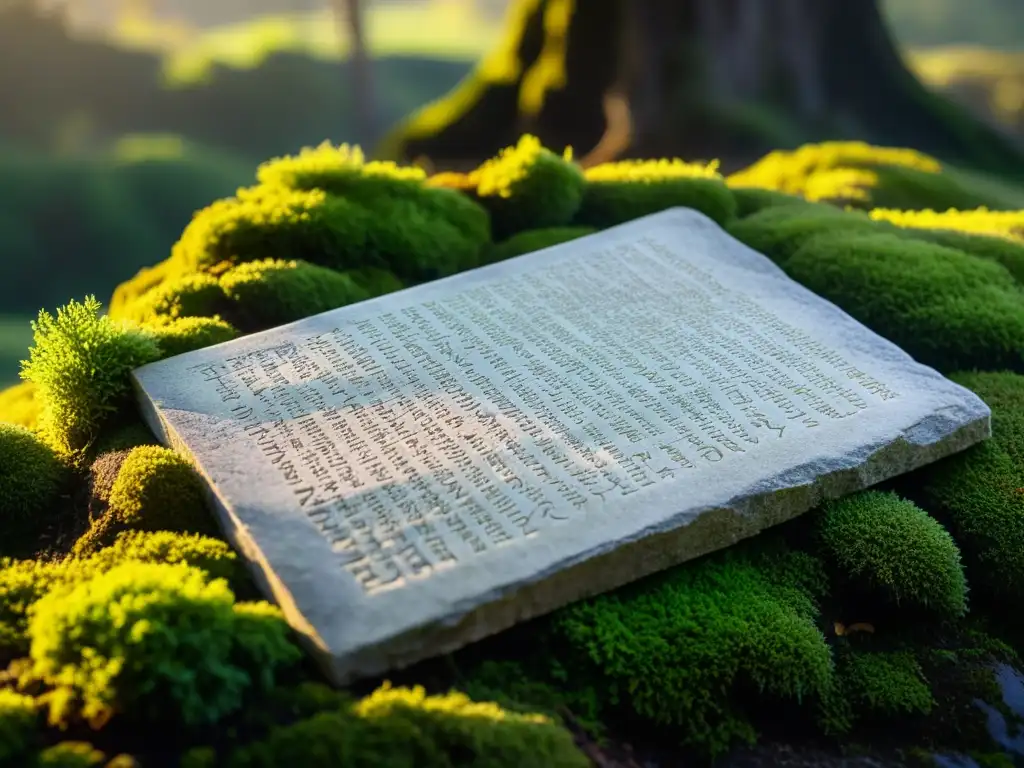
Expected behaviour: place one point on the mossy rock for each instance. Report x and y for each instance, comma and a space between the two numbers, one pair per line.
154, 490
980, 492
535, 240
945, 308
607, 203
31, 476
891, 547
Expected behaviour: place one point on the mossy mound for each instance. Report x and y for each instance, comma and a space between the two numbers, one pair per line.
30, 474
154, 490
535, 240
980, 493
947, 309
145, 622
891, 546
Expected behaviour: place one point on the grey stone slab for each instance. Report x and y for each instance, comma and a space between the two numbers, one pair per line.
413, 473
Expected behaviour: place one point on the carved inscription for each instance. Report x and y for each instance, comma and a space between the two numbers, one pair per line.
434, 433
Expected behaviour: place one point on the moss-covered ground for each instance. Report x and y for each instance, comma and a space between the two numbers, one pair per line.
131, 634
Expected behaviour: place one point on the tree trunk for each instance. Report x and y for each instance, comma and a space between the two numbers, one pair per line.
349, 15
699, 79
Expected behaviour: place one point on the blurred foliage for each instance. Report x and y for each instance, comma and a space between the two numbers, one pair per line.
990, 82
993, 23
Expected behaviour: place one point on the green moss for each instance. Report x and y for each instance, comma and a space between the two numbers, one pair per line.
883, 543
153, 640
978, 493
875, 686
270, 222
270, 293
528, 187
143, 282
535, 240
607, 203
155, 490
342, 171
69, 754
23, 582
1000, 250
17, 725
688, 648
750, 200
947, 309
30, 476
19, 405
80, 363
780, 231
915, 189
191, 295
186, 334
405, 727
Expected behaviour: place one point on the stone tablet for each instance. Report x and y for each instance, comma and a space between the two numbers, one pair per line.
412, 473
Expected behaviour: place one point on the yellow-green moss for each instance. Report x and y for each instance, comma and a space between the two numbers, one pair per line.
622, 191
886, 544
980, 492
1002, 251
145, 280
30, 475
268, 293
186, 334
190, 295
70, 754
156, 640
680, 649
395, 727
419, 236
947, 309
874, 686
23, 582
80, 363
753, 199
535, 240
780, 231
19, 405
528, 187
155, 490
18, 723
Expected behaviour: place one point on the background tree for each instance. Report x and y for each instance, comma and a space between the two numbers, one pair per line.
698, 78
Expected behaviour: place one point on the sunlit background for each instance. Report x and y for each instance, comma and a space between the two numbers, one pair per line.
119, 118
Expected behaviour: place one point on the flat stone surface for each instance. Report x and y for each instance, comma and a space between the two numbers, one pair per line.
412, 473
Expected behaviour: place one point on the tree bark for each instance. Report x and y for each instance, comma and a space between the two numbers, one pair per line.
349, 15
701, 79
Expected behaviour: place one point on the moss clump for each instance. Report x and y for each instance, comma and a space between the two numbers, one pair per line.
884, 543
398, 726
23, 582
70, 754
343, 171
978, 493
186, 334
153, 640
685, 649
273, 292
155, 490
30, 474
535, 240
874, 686
626, 190
409, 234
19, 405
780, 231
192, 295
750, 200
145, 280
947, 309
80, 363
17, 725
528, 187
